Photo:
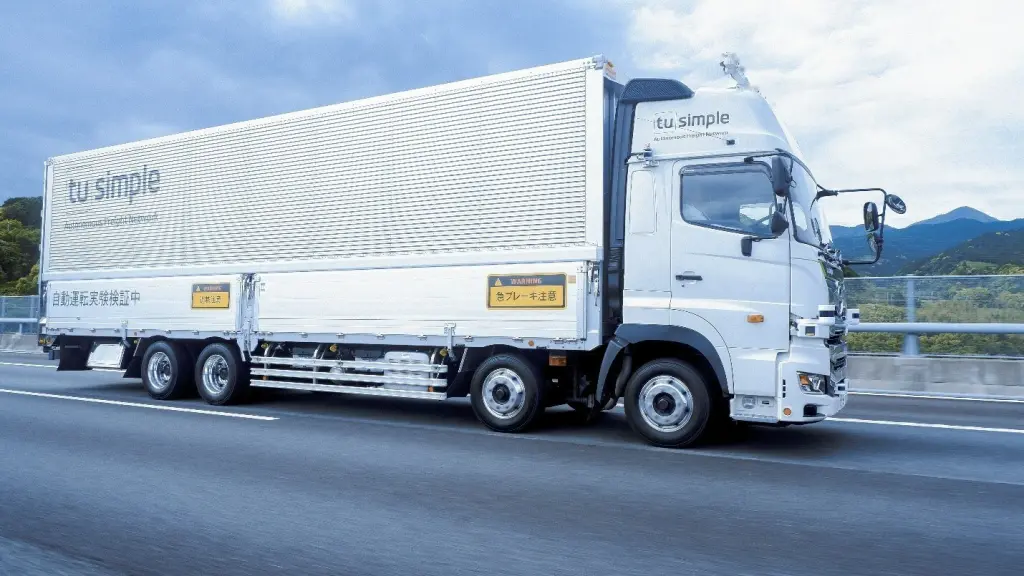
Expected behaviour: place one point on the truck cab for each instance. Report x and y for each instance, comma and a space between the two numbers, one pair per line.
728, 275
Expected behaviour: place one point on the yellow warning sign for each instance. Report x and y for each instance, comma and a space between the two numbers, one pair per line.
526, 291
216, 296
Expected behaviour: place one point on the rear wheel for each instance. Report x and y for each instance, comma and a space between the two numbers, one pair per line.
667, 402
167, 371
221, 376
506, 393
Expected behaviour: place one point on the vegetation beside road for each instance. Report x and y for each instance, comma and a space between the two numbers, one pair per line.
961, 300
20, 223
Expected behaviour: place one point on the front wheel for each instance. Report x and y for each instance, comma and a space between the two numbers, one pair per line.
667, 402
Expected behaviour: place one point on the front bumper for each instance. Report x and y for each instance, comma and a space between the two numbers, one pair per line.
811, 356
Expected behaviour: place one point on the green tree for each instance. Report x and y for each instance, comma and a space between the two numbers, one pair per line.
27, 210
26, 286
19, 250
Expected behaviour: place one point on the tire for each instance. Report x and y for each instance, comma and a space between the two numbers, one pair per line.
221, 376
668, 403
167, 371
521, 402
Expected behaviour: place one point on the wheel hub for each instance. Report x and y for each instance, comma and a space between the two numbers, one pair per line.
159, 371
504, 394
215, 374
665, 403
501, 394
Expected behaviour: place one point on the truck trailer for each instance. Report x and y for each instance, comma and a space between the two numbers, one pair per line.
531, 239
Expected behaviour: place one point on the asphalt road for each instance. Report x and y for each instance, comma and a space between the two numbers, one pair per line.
323, 484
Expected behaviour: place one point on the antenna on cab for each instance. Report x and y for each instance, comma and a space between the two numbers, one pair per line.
731, 66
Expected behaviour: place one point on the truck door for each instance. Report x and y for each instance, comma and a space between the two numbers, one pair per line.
714, 285
646, 288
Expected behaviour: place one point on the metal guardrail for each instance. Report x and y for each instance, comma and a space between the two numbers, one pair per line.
928, 305
19, 314
940, 328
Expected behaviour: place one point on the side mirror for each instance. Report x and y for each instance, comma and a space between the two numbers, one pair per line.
779, 223
870, 217
781, 176
874, 245
895, 203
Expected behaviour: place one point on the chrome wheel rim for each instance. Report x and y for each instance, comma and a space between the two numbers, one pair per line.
159, 371
666, 403
215, 374
504, 394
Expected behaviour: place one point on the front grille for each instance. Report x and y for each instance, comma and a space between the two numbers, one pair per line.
837, 367
836, 340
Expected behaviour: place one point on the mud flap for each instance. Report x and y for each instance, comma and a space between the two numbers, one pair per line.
74, 355
134, 368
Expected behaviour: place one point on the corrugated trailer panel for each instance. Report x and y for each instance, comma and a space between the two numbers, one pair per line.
501, 163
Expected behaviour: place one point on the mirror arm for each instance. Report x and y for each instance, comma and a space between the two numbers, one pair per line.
881, 227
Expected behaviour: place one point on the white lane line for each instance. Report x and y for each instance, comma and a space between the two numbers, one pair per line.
921, 425
934, 397
27, 365
52, 367
138, 405
927, 425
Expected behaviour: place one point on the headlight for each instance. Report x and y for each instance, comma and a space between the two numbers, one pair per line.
813, 383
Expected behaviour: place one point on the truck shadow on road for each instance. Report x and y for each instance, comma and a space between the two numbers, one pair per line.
557, 424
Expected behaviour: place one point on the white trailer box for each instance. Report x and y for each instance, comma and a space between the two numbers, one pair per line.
389, 217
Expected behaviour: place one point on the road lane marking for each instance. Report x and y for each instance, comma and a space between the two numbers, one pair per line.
922, 425
52, 367
23, 365
139, 405
935, 397
927, 425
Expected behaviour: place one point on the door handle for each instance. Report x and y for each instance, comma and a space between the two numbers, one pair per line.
682, 277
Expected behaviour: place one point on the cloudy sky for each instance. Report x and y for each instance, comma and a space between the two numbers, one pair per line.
924, 102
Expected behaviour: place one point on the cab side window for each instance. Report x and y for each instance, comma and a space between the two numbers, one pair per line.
734, 198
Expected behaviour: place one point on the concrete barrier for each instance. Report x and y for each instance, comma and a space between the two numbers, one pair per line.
19, 343
974, 376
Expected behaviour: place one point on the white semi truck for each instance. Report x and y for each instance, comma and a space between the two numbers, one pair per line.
530, 239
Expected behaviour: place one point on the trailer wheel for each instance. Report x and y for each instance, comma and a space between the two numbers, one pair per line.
506, 393
667, 402
221, 376
166, 371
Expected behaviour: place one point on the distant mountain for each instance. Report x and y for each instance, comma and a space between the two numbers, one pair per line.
917, 242
961, 213
992, 253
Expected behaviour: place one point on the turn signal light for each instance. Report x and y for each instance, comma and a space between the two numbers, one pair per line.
755, 318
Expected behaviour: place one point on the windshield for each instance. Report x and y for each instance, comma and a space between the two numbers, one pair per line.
810, 225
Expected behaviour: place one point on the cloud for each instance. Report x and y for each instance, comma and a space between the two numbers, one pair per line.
921, 102
319, 12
